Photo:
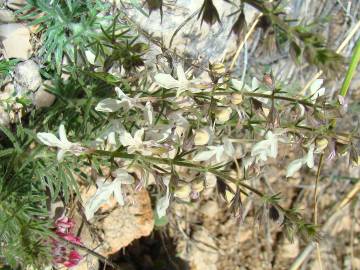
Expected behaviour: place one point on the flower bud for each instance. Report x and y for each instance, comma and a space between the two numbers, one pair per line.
198, 185
236, 98
183, 191
217, 70
222, 115
321, 144
202, 137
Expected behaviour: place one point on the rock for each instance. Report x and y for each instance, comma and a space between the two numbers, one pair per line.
125, 224
89, 262
16, 4
4, 117
210, 209
7, 92
7, 16
15, 38
27, 77
290, 250
201, 255
193, 39
121, 224
43, 98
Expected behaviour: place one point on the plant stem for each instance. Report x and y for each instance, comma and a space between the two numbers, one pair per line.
315, 206
351, 71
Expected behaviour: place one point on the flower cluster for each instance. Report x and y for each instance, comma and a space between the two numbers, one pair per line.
62, 254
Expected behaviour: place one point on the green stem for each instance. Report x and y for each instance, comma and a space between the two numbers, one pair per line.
351, 70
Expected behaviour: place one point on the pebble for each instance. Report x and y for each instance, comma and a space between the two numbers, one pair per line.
27, 77
15, 39
4, 117
16, 4
43, 98
7, 16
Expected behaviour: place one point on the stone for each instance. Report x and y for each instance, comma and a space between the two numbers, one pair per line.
42, 98
210, 209
16, 4
4, 117
15, 39
193, 39
125, 224
201, 255
7, 16
27, 77
121, 224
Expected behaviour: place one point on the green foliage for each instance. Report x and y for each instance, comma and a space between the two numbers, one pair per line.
352, 68
67, 27
24, 227
6, 66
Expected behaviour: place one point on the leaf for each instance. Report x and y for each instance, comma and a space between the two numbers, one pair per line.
352, 69
294, 166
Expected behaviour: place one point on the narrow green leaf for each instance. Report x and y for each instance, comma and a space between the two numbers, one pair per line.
351, 70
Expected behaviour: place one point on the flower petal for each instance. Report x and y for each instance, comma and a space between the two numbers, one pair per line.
149, 113
120, 93
101, 196
60, 155
163, 203
118, 192
310, 156
138, 136
294, 166
126, 139
62, 135
123, 176
50, 139
181, 74
166, 80
109, 105
205, 155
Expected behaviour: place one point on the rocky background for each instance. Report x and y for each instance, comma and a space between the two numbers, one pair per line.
204, 235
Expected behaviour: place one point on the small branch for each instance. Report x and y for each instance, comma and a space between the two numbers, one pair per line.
315, 206
334, 217
241, 45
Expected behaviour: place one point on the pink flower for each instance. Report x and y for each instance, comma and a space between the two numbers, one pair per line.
73, 259
62, 253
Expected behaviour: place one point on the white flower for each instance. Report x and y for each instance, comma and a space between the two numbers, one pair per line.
106, 189
108, 139
163, 203
266, 148
135, 143
220, 152
182, 83
113, 105
296, 164
62, 143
